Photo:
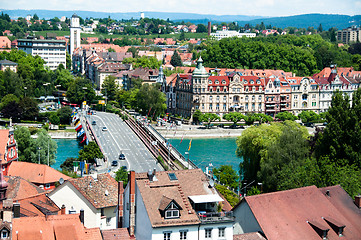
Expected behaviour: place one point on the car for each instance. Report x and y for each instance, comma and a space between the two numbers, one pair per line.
121, 156
40, 126
114, 163
94, 123
104, 129
125, 168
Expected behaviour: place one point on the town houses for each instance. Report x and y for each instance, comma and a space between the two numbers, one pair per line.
221, 91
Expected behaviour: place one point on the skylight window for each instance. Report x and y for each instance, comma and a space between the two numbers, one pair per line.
172, 176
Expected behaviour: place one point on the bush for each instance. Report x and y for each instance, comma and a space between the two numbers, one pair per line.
62, 127
230, 196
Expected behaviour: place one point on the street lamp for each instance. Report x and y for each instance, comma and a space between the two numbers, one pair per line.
46, 92
85, 88
25, 88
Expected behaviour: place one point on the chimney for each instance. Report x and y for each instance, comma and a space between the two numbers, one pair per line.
16, 209
62, 210
209, 28
120, 204
81, 216
150, 175
132, 203
358, 201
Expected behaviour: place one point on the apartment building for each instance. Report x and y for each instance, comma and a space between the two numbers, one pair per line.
52, 51
349, 35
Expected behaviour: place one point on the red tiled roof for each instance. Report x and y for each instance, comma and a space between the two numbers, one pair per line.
35, 173
249, 236
189, 183
19, 188
59, 227
95, 190
38, 205
115, 234
285, 214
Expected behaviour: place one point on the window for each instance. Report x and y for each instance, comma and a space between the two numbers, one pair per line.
221, 232
224, 107
4, 234
167, 235
217, 82
210, 106
246, 98
217, 107
210, 98
217, 98
209, 82
183, 234
47, 186
259, 98
224, 98
313, 104
208, 233
108, 220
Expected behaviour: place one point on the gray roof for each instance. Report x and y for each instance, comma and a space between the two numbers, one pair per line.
7, 62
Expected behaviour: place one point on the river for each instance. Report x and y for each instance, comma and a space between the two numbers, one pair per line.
218, 151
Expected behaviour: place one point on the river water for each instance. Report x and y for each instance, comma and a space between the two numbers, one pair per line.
218, 151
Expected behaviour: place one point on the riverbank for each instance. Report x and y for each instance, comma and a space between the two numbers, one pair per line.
193, 131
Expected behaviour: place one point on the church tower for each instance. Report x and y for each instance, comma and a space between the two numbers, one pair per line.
74, 33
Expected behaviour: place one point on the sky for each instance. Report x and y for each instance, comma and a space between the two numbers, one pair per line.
217, 7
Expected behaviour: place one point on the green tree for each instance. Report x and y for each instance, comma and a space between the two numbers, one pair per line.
149, 99
26, 144
80, 90
309, 116
122, 175
68, 164
6, 100
286, 116
64, 114
234, 117
201, 28
54, 118
176, 60
48, 148
90, 152
208, 118
110, 88
291, 147
29, 108
227, 175
197, 116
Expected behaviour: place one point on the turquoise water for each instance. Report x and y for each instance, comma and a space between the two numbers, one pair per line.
218, 151
66, 148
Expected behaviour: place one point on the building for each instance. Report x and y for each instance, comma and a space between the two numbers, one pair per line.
6, 64
5, 42
108, 69
328, 85
53, 52
53, 227
218, 35
304, 95
41, 175
8, 149
174, 205
97, 196
302, 213
349, 35
74, 33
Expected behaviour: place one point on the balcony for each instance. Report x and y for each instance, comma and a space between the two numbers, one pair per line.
215, 217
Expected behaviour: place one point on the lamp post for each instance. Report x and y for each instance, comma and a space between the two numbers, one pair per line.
260, 184
25, 88
48, 151
39, 153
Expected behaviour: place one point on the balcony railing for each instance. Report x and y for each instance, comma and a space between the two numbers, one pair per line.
211, 217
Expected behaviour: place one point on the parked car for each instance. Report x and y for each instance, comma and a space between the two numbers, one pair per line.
115, 163
104, 129
121, 156
94, 123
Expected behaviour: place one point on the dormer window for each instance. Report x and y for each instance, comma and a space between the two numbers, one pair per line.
224, 82
172, 211
210, 82
217, 82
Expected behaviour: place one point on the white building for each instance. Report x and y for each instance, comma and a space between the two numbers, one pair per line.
74, 33
52, 51
174, 205
218, 35
98, 197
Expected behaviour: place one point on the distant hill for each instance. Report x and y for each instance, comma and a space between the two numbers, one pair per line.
309, 20
299, 21
48, 14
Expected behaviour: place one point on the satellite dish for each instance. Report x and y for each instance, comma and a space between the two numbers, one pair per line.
61, 181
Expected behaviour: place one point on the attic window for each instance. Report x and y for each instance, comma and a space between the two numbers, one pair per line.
172, 211
4, 234
172, 176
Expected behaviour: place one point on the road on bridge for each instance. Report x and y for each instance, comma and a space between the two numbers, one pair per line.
120, 138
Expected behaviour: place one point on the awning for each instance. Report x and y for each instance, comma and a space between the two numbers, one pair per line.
206, 198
